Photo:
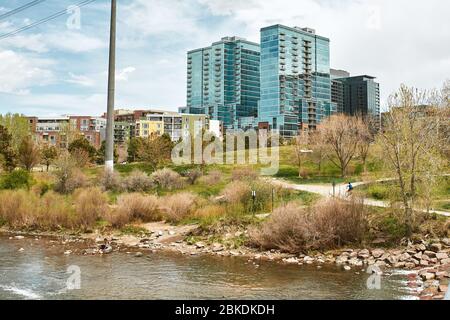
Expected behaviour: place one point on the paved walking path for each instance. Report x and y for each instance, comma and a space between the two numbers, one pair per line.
340, 191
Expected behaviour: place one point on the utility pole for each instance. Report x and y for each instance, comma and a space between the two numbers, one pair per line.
109, 156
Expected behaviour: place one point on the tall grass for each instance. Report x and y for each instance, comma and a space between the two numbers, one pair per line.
178, 206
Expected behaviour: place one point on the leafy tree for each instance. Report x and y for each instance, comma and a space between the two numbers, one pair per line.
28, 154
48, 154
412, 144
6, 149
155, 150
17, 125
81, 147
133, 149
100, 158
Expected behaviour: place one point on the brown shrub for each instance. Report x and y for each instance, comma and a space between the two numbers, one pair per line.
178, 206
138, 181
90, 205
327, 225
18, 208
55, 212
239, 174
167, 179
68, 176
193, 175
237, 192
26, 210
110, 180
132, 207
212, 178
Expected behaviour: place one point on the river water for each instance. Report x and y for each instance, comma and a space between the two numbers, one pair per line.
39, 271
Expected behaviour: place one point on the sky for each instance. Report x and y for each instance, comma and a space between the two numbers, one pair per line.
61, 67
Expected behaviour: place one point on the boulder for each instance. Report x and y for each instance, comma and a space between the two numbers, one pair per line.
428, 276
291, 260
443, 288
441, 256
200, 245
364, 254
377, 253
404, 257
431, 254
420, 247
424, 263
347, 268
436, 247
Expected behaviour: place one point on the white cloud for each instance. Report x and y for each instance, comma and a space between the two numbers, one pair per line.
74, 42
81, 80
123, 75
19, 72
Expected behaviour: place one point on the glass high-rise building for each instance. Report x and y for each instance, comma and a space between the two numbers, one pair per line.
361, 96
295, 79
337, 88
223, 81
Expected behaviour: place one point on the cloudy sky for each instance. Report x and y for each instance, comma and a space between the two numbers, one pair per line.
58, 69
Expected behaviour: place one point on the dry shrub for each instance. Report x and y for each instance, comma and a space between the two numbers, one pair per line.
327, 225
239, 174
68, 176
132, 207
237, 192
304, 173
210, 211
178, 206
55, 212
213, 177
18, 208
167, 179
138, 181
90, 205
26, 210
110, 180
193, 175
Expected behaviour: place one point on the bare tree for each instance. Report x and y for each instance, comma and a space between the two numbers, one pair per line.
319, 148
411, 144
341, 134
366, 139
301, 149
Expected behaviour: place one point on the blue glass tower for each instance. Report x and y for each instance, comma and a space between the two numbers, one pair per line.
295, 79
223, 81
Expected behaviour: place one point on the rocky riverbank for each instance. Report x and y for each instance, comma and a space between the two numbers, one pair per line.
427, 261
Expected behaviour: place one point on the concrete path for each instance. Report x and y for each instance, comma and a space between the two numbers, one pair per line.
340, 191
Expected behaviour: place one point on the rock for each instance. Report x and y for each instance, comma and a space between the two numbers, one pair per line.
410, 265
347, 268
19, 237
442, 275
418, 256
436, 247
420, 247
404, 257
341, 260
217, 247
21, 250
377, 253
443, 288
364, 254
430, 254
425, 257
200, 245
68, 252
291, 261
428, 276
234, 253
424, 263
445, 261
400, 265
446, 241
238, 234
139, 254
308, 259
160, 233
392, 260
172, 233
441, 256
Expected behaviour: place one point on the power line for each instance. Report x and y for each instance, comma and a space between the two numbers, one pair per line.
42, 21
20, 9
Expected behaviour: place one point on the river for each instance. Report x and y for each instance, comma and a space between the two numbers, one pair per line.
39, 271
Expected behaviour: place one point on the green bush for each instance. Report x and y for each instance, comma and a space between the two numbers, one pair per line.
393, 226
378, 192
17, 179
